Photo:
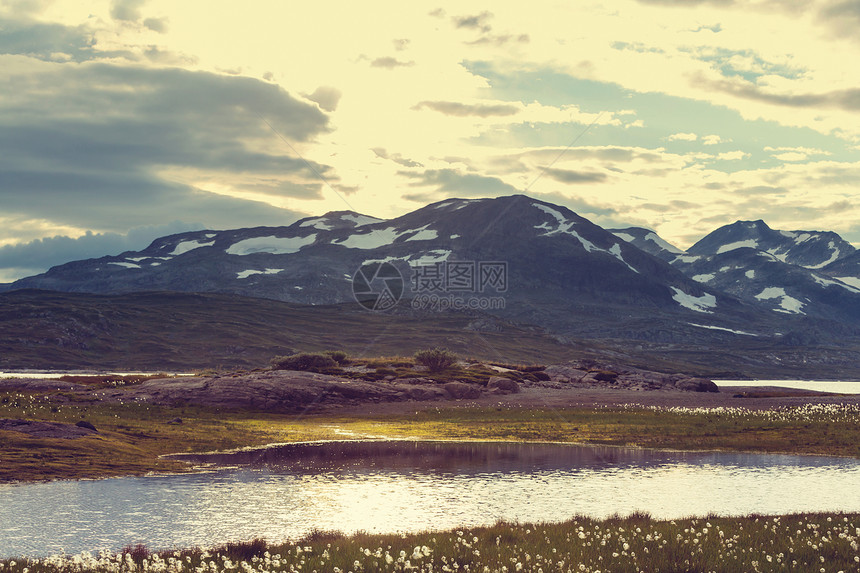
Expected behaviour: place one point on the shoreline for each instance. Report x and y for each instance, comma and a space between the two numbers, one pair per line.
140, 438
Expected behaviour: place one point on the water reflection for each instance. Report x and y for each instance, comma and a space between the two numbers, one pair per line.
284, 492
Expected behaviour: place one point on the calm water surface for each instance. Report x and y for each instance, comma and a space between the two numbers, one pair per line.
284, 492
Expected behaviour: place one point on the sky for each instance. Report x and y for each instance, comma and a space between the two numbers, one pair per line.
125, 120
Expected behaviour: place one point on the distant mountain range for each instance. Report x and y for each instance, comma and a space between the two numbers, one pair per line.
744, 289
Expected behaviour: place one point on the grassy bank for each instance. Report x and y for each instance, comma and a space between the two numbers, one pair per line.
132, 436
806, 542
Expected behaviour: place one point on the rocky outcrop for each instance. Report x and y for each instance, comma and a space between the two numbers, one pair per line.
588, 374
47, 429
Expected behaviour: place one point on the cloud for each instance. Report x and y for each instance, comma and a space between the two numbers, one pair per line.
327, 97
26, 259
389, 62
126, 10
25, 7
683, 137
842, 16
47, 41
382, 153
463, 110
846, 99
156, 24
474, 22
569, 176
762, 190
501, 39
106, 147
687, 3
453, 181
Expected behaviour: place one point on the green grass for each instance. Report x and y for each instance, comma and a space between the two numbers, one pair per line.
799, 542
132, 436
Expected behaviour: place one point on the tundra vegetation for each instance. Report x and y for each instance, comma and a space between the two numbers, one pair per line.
132, 436
820, 542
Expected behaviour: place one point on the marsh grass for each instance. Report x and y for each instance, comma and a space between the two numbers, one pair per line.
132, 436
819, 542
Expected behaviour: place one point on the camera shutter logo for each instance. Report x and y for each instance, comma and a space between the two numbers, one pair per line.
377, 286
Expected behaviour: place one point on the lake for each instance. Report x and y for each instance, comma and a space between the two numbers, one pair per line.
284, 492
841, 386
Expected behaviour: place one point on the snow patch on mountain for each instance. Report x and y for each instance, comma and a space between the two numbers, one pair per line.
698, 303
423, 234
654, 238
787, 303
853, 281
270, 244
704, 278
686, 259
430, 258
186, 246
249, 272
321, 223
709, 327
126, 265
419, 260
625, 237
360, 220
615, 251
752, 243
834, 254
830, 282
750, 274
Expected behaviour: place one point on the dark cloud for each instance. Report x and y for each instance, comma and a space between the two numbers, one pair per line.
579, 205
464, 184
463, 110
400, 44
382, 153
687, 3
39, 255
568, 176
126, 10
26, 7
761, 190
390, 63
156, 24
843, 17
87, 145
47, 41
475, 22
848, 100
327, 97
636, 47
501, 39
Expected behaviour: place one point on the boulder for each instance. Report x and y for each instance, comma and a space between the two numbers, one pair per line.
500, 385
697, 385
461, 391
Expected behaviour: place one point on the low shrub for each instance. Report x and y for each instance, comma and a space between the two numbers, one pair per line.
339, 356
244, 550
435, 359
305, 361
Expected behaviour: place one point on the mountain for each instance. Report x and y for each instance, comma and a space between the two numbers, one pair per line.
561, 271
802, 273
519, 261
809, 249
649, 241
